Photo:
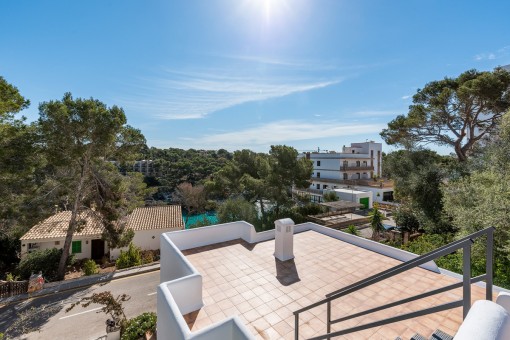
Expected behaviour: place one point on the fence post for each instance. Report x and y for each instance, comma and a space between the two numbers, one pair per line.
466, 279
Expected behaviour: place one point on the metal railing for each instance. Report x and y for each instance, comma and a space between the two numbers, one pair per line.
464, 243
356, 167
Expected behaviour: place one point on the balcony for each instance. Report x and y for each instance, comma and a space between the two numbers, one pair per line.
356, 168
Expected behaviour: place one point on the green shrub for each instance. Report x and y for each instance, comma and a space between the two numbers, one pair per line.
138, 326
11, 277
130, 258
203, 222
352, 230
45, 261
90, 267
147, 256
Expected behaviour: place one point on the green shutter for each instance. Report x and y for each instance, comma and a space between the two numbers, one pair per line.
76, 247
364, 201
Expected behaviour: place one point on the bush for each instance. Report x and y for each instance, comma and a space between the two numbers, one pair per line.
45, 261
147, 256
352, 230
203, 222
90, 267
138, 326
130, 258
237, 209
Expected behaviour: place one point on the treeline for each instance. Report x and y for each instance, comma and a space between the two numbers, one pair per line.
448, 197
254, 187
174, 166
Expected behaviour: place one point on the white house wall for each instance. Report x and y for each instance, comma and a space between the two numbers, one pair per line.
375, 191
145, 239
86, 246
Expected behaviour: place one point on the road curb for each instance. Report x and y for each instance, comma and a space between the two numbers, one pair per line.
82, 282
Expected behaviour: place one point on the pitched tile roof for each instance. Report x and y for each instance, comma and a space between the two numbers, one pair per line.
147, 218
56, 227
160, 217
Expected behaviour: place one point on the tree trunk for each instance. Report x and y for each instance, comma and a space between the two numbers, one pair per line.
262, 212
72, 224
461, 155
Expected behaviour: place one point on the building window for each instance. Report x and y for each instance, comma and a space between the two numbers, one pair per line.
76, 247
57, 243
345, 175
318, 186
318, 163
318, 175
324, 186
358, 175
358, 163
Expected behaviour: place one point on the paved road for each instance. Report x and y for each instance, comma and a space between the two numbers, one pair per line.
81, 323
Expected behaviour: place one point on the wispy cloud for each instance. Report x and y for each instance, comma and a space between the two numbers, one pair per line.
373, 113
286, 131
406, 97
194, 95
502, 52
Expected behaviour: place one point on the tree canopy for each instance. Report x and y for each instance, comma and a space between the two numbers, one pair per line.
455, 112
481, 200
19, 161
80, 137
263, 178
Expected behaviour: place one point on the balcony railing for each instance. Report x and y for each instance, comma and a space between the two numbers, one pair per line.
464, 244
356, 167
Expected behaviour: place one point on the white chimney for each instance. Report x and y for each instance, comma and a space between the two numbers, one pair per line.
284, 244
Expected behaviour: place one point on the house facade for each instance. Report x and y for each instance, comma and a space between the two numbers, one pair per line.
148, 223
358, 168
51, 233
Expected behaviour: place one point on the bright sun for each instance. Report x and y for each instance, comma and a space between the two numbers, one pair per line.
273, 8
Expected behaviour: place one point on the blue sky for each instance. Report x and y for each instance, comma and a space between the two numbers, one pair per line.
248, 73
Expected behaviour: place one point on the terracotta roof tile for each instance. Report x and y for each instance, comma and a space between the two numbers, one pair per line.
147, 218
56, 227
161, 217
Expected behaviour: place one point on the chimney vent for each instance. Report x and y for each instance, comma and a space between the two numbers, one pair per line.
284, 243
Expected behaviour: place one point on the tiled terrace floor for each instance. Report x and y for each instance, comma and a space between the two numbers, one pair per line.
244, 279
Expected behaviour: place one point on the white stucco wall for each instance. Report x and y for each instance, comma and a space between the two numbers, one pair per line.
379, 191
181, 290
149, 239
354, 195
86, 246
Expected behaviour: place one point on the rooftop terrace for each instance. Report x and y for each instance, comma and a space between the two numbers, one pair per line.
245, 279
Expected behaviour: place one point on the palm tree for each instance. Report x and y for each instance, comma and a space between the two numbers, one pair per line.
376, 218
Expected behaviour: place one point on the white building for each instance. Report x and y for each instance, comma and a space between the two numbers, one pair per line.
145, 166
358, 161
148, 224
356, 168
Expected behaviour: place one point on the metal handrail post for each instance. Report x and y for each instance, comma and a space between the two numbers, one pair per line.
328, 326
489, 264
466, 279
296, 326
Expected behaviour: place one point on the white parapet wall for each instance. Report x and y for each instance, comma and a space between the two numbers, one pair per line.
180, 291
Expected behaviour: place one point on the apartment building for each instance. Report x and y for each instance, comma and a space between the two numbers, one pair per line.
358, 167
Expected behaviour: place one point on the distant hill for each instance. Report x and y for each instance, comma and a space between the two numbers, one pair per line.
507, 67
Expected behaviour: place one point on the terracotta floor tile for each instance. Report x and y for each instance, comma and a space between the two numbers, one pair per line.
244, 279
